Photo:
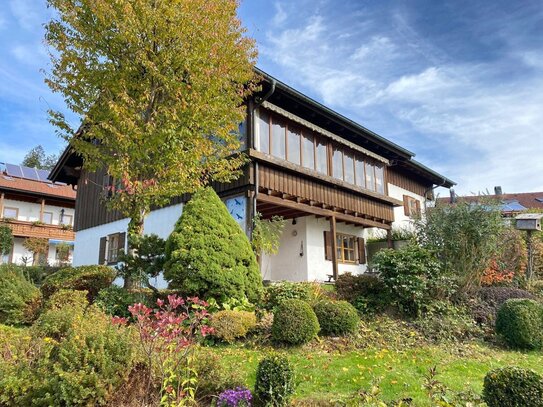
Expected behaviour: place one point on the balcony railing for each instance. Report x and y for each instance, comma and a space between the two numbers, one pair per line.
34, 229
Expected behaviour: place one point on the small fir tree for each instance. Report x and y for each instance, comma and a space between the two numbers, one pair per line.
6, 241
209, 255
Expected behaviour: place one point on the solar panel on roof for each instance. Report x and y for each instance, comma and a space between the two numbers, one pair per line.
43, 174
539, 199
30, 173
14, 170
513, 206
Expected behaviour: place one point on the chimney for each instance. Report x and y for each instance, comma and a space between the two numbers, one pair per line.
453, 196
497, 190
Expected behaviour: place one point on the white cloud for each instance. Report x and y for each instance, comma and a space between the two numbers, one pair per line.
26, 13
280, 14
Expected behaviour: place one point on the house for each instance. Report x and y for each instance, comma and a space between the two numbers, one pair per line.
510, 204
34, 207
330, 178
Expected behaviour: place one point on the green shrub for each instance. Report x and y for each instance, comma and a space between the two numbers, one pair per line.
213, 377
367, 292
294, 323
73, 357
36, 274
413, 277
520, 323
19, 299
274, 382
208, 254
513, 387
84, 278
231, 325
115, 300
536, 288
336, 317
276, 293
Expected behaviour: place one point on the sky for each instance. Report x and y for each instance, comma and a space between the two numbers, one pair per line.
459, 83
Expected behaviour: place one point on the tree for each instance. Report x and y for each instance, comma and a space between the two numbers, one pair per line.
6, 241
36, 158
160, 86
38, 247
209, 255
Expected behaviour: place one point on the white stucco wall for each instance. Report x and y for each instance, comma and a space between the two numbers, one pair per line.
400, 219
30, 212
20, 254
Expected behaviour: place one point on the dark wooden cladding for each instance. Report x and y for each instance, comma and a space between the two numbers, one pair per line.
319, 193
410, 182
91, 210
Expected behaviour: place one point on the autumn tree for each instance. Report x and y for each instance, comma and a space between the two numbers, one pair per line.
39, 247
36, 158
159, 86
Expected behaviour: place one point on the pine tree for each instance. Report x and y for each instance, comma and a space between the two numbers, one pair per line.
209, 255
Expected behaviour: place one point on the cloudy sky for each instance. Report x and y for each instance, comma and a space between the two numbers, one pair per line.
460, 83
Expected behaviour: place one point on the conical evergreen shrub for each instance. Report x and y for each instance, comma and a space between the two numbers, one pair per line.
208, 254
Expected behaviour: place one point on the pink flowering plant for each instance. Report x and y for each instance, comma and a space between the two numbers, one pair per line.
166, 336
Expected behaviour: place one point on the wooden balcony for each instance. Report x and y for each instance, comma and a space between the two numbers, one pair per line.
32, 229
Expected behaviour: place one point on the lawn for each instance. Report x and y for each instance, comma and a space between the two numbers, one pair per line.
330, 375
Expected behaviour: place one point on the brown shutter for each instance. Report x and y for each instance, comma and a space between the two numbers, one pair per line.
121, 240
406, 205
102, 251
327, 245
361, 250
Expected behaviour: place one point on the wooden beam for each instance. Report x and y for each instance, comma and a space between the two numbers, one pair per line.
2, 205
334, 247
42, 207
322, 212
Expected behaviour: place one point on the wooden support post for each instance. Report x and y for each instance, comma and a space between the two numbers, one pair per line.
334, 247
42, 207
2, 205
389, 239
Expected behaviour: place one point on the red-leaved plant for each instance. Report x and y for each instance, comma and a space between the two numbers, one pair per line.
166, 336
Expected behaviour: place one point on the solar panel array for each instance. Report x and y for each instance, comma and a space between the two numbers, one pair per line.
21, 171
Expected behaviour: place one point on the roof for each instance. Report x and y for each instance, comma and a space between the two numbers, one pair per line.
16, 178
69, 164
516, 202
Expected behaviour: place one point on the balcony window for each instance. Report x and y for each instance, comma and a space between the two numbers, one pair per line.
67, 220
370, 177
360, 173
380, 179
47, 218
10, 213
293, 144
322, 161
263, 132
337, 163
278, 132
308, 151
348, 168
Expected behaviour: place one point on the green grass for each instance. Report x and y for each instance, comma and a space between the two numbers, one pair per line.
324, 375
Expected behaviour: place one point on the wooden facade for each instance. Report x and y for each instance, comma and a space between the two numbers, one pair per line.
44, 231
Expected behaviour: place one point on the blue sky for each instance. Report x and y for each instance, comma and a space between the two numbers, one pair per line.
460, 83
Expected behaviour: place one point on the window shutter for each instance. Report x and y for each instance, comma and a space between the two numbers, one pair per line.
102, 251
406, 205
361, 251
327, 245
121, 241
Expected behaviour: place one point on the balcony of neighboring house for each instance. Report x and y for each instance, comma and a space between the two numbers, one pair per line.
41, 230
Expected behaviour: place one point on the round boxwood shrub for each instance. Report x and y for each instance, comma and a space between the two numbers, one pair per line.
230, 325
83, 278
209, 255
513, 387
336, 318
274, 382
294, 323
19, 299
520, 323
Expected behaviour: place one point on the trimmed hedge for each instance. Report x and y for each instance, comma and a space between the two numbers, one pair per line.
83, 278
19, 298
336, 318
276, 293
513, 387
274, 382
294, 323
209, 255
520, 323
230, 325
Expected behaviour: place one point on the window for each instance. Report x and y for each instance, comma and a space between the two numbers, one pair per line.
380, 179
67, 220
308, 152
10, 213
47, 218
293, 145
411, 206
346, 248
348, 168
263, 132
110, 248
278, 139
370, 179
337, 163
360, 173
322, 162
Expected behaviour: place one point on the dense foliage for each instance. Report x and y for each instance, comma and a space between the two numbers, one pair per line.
464, 237
274, 382
72, 356
39, 247
267, 234
367, 292
510, 260
413, 277
209, 255
19, 299
294, 323
231, 325
115, 300
513, 387
6, 240
88, 278
276, 293
336, 318
36, 158
520, 323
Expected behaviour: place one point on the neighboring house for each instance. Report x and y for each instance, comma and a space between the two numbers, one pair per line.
332, 179
510, 204
33, 206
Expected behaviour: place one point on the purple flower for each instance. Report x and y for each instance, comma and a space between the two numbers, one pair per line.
239, 397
